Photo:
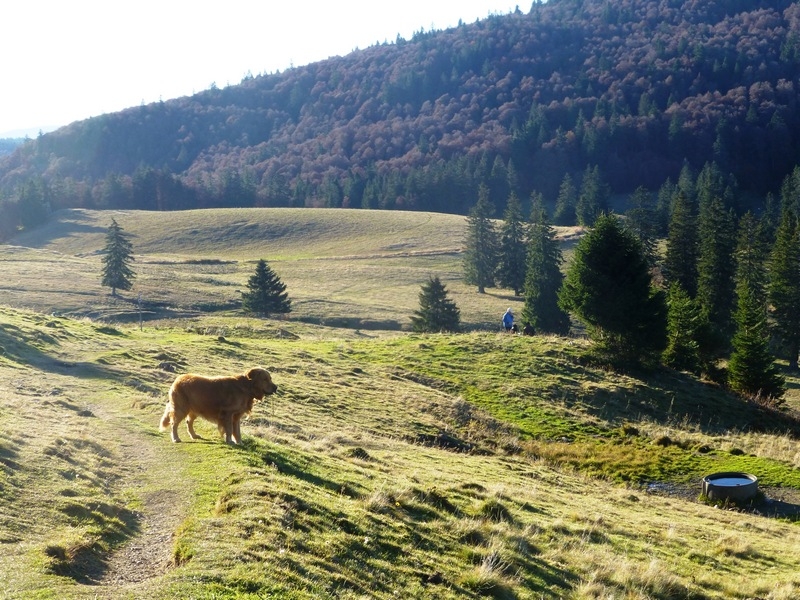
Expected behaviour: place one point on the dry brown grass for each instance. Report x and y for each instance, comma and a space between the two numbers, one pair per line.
342, 267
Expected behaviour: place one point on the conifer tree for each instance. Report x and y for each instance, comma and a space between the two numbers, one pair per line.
680, 261
686, 182
566, 200
497, 182
642, 218
266, 292
608, 286
784, 284
716, 268
117, 258
684, 326
593, 197
511, 271
437, 312
543, 277
666, 196
711, 184
751, 368
752, 252
771, 217
790, 192
33, 203
480, 251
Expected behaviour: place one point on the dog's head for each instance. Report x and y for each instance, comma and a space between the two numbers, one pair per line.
262, 382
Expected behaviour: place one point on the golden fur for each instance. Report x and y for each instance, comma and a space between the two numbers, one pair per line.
220, 400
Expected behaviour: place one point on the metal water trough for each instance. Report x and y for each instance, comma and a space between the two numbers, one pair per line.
730, 485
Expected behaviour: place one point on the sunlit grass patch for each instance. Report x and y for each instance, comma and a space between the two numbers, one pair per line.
387, 465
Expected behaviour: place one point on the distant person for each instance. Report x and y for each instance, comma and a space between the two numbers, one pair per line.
508, 321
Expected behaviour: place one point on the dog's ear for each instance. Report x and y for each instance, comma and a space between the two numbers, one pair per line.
255, 373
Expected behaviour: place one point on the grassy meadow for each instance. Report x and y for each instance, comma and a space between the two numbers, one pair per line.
388, 465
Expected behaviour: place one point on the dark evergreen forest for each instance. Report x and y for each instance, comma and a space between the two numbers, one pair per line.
628, 92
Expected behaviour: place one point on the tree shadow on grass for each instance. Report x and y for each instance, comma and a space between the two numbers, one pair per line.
665, 396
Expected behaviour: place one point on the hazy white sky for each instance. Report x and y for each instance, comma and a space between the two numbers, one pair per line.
65, 60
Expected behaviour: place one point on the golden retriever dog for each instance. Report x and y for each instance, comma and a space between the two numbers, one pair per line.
220, 400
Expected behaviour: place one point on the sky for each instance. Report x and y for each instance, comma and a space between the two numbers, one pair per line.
64, 61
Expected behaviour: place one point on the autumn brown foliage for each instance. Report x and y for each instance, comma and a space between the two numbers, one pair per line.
636, 88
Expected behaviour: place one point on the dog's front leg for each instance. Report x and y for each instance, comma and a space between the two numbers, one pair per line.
237, 429
175, 437
228, 422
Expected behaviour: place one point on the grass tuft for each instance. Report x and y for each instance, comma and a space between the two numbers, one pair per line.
489, 578
494, 510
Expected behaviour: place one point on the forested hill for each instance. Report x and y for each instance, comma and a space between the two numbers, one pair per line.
636, 88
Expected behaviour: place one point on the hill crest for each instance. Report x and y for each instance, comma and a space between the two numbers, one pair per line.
639, 88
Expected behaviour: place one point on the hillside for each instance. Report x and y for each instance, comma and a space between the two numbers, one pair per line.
411, 466
639, 88
388, 465
341, 267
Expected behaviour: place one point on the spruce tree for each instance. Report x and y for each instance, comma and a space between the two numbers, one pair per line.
686, 182
752, 252
511, 271
716, 268
543, 277
680, 261
117, 258
684, 326
497, 182
566, 200
480, 251
437, 312
593, 197
266, 292
751, 368
608, 286
771, 217
790, 192
34, 203
711, 184
642, 218
784, 284
665, 198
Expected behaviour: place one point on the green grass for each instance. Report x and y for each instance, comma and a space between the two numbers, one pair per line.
389, 464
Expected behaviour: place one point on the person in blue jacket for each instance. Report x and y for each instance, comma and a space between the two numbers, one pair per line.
508, 321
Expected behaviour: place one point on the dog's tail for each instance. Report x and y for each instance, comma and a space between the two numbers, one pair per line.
167, 418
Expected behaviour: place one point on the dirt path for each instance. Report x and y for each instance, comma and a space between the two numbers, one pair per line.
155, 480
149, 554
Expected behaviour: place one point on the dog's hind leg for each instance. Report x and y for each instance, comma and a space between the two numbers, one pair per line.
171, 416
177, 417
190, 426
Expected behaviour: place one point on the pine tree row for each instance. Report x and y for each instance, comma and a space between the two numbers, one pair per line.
681, 279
